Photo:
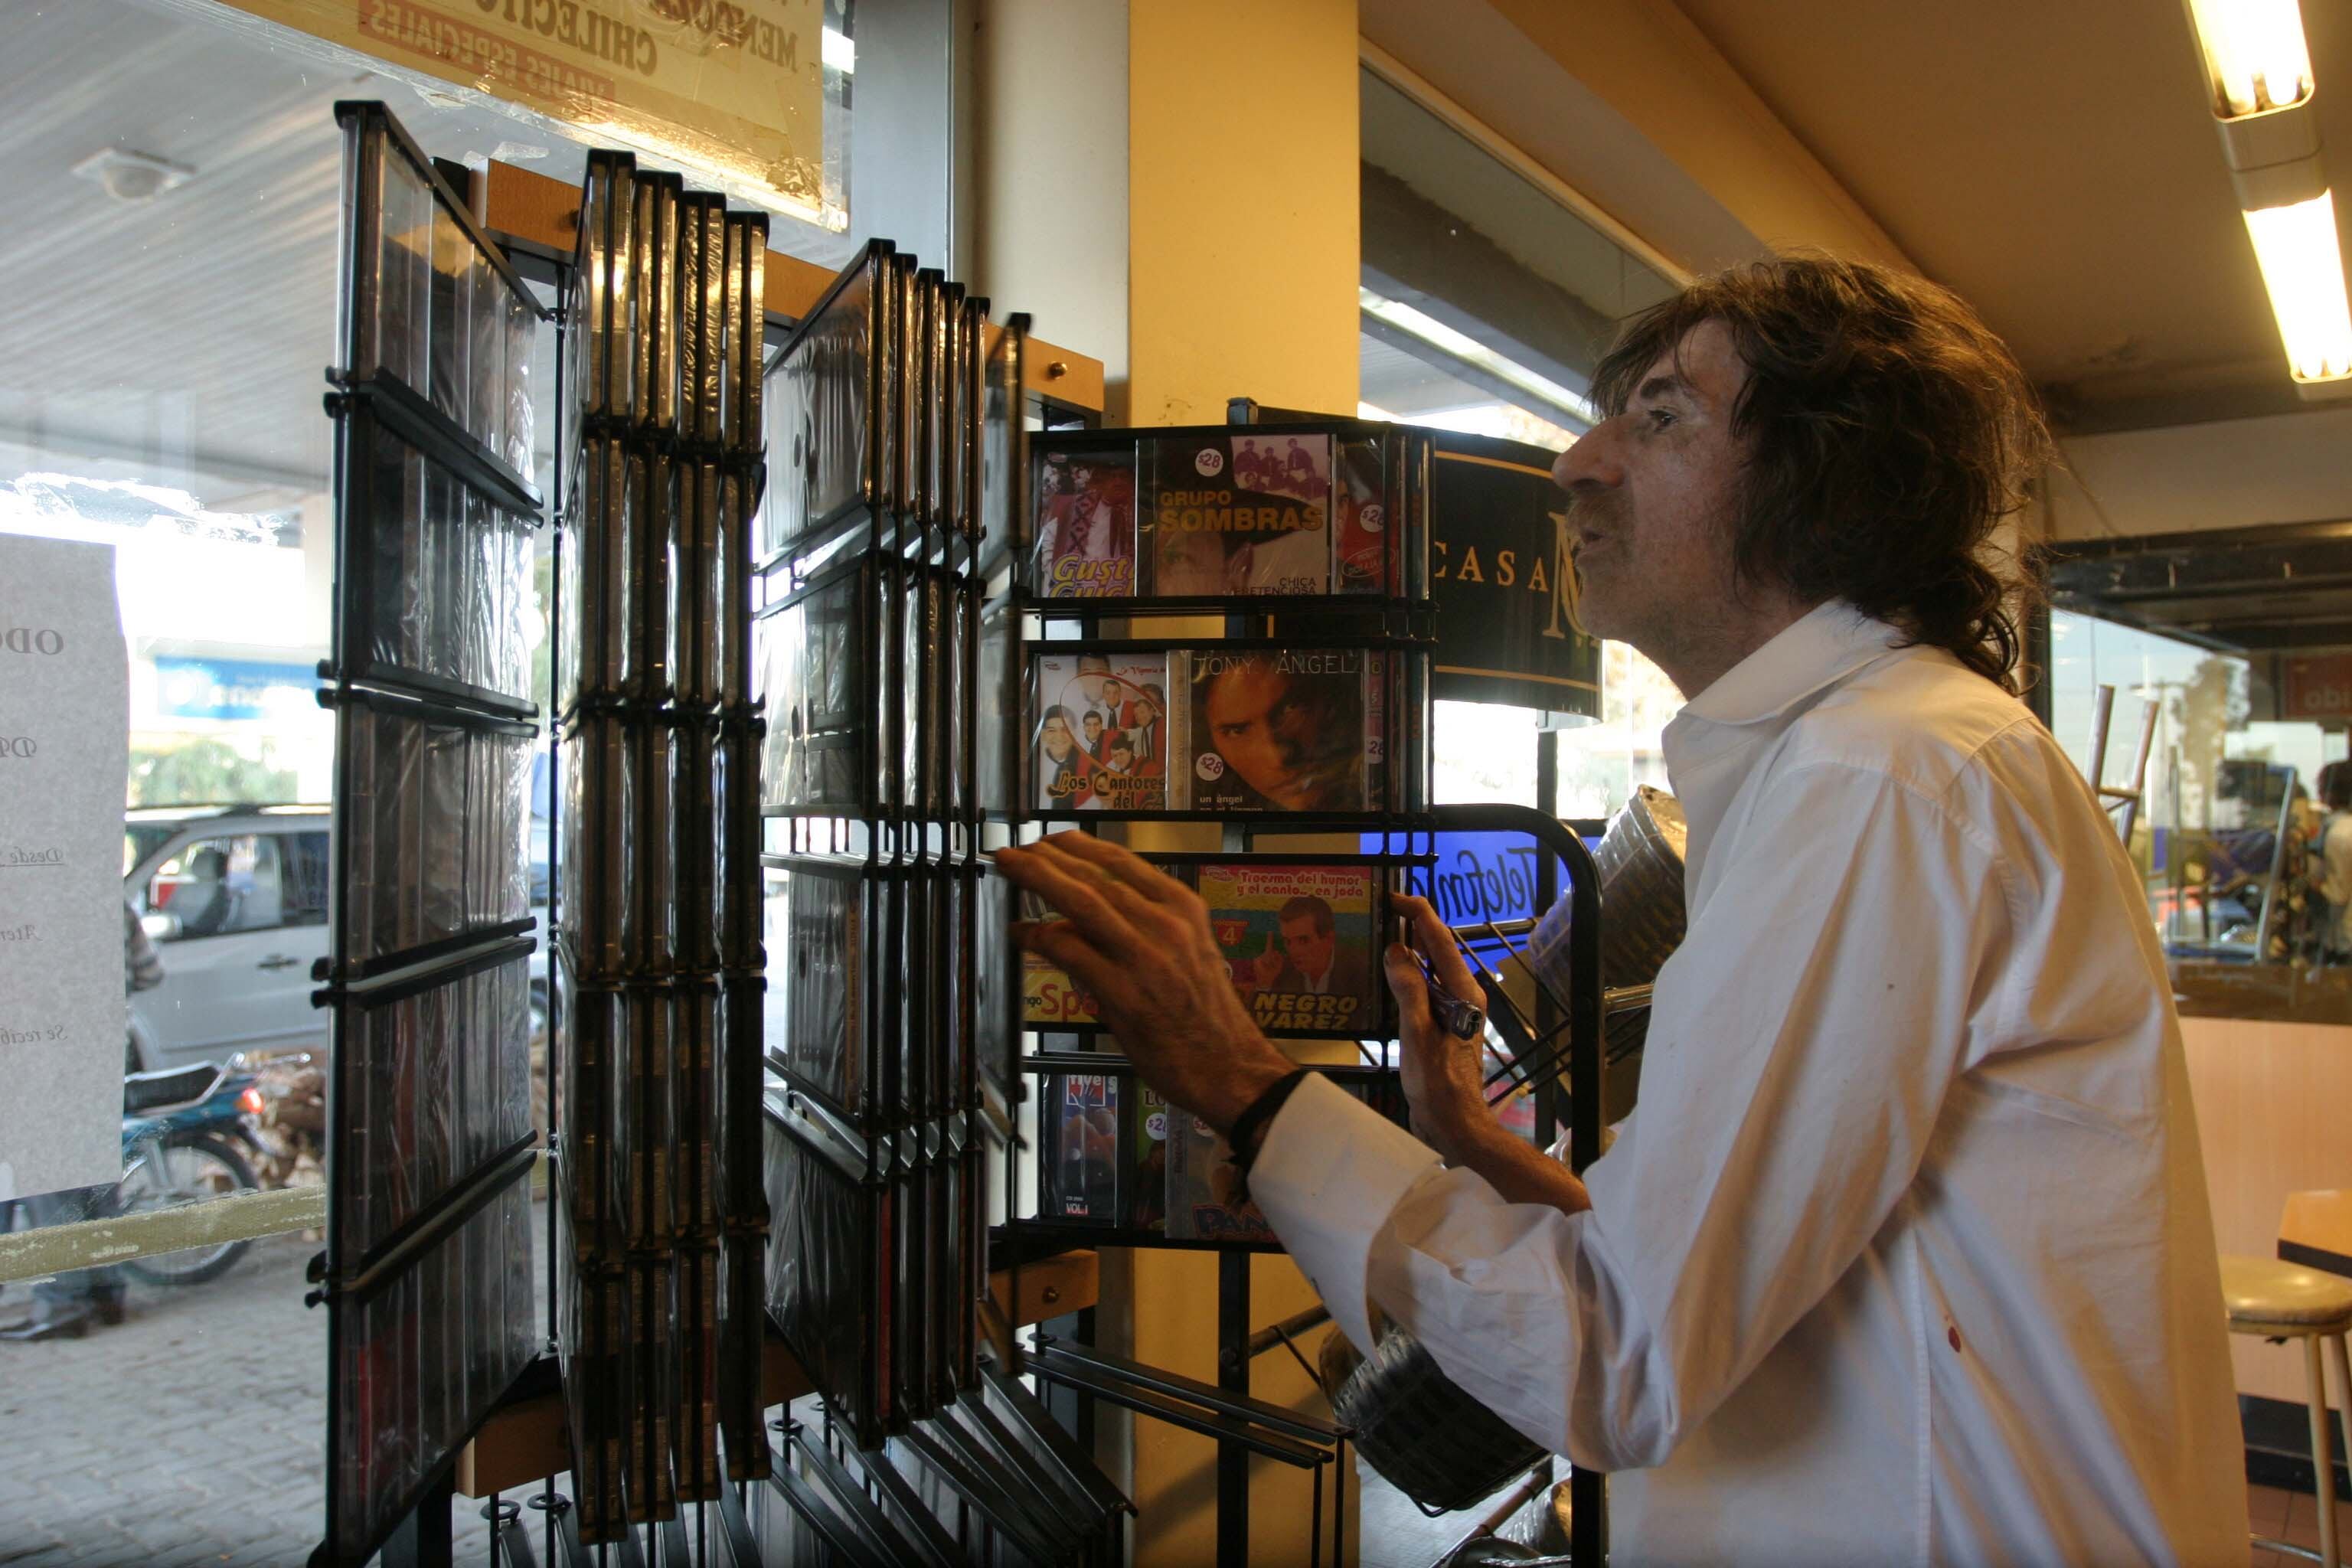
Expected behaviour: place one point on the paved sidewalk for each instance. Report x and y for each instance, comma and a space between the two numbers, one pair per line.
193, 1434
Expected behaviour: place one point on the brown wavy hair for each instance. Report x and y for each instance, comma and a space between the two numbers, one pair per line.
1889, 433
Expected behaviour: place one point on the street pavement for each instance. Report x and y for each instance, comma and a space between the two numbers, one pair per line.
191, 1433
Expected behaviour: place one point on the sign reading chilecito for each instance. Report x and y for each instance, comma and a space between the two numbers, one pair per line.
736, 87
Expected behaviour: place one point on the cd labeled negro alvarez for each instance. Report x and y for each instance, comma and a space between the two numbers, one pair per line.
1297, 942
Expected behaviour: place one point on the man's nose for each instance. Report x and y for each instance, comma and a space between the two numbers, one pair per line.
1591, 460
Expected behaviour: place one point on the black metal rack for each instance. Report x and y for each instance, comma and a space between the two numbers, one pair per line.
427, 1268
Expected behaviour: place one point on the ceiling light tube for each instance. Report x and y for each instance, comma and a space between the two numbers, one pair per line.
1469, 350
2258, 80
2302, 267
2255, 56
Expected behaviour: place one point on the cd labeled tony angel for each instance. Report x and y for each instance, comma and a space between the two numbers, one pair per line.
1238, 515
1297, 940
1102, 732
1086, 526
1279, 729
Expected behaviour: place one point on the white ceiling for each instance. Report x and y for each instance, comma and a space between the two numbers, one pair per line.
2056, 164
182, 342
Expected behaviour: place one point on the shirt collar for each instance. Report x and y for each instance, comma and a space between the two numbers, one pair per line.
1830, 642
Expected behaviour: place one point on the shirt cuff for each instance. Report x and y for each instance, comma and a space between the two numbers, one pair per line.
1328, 1175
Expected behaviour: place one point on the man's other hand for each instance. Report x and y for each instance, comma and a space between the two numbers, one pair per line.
1441, 1072
1139, 943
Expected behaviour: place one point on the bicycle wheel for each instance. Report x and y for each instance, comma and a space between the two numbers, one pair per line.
184, 1168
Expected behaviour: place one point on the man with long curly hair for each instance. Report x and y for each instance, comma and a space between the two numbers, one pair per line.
1907, 1255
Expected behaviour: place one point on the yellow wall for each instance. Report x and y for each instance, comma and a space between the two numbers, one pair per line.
1191, 219
1242, 258
1242, 261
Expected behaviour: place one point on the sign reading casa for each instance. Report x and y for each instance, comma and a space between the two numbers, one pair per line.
1504, 582
733, 86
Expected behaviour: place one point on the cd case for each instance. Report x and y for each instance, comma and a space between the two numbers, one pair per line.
1330, 511
1301, 941
1297, 728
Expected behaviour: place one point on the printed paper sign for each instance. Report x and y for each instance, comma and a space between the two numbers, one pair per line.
65, 692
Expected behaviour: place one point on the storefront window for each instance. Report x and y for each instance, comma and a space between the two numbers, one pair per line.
171, 173
1487, 303
2218, 647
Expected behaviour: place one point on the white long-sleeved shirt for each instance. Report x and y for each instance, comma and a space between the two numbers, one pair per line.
1904, 1255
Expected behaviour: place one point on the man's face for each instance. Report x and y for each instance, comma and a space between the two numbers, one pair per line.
1273, 735
1093, 724
1654, 497
1057, 738
1113, 694
1309, 949
1122, 760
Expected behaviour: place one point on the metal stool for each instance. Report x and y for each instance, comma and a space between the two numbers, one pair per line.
2281, 1301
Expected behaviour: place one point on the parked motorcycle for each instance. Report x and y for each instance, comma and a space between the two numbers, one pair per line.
186, 1139
287, 1119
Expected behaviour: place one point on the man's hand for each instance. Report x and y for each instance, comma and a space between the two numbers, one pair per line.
1443, 1073
1138, 941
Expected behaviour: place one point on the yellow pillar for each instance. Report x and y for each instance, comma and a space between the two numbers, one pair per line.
1242, 256
1243, 262
1182, 174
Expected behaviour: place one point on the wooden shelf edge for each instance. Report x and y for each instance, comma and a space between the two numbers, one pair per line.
540, 215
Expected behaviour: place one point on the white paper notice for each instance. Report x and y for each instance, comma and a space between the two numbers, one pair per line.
65, 698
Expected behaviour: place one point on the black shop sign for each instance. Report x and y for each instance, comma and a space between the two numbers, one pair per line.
1505, 590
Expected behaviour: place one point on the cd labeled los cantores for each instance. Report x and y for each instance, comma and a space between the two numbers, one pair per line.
1297, 940
1297, 729
1238, 515
1086, 526
1102, 732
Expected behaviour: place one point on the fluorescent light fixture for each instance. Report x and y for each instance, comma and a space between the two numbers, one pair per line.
2303, 267
2255, 57
841, 54
1471, 351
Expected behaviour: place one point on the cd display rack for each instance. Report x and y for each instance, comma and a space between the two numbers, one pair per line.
865, 638
895, 436
1304, 711
426, 1272
659, 1216
1300, 710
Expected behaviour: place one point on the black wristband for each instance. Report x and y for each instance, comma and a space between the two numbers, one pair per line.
1252, 1120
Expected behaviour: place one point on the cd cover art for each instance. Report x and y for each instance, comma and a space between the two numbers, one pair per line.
1363, 542
1279, 729
1049, 997
825, 1039
1086, 526
1203, 1187
1298, 942
1147, 1206
1239, 514
1082, 1176
1102, 732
